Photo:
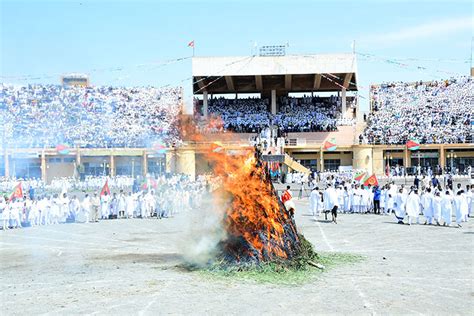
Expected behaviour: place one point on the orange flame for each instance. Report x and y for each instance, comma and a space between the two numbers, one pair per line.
258, 225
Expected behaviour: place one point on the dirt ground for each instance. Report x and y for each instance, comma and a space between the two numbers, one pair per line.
129, 267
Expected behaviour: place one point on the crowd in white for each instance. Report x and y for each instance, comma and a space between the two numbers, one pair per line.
437, 203
305, 114
105, 116
431, 112
159, 197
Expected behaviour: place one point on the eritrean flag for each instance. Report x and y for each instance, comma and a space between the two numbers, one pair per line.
105, 188
17, 192
62, 149
330, 145
159, 147
372, 180
413, 144
217, 147
359, 176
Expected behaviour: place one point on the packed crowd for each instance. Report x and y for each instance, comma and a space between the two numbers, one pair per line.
437, 202
161, 198
48, 115
430, 112
306, 114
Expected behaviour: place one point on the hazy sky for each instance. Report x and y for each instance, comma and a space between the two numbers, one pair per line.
126, 42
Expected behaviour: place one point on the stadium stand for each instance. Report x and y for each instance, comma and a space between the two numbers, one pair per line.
436, 112
37, 116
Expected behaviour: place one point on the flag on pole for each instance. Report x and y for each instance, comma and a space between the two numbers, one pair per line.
372, 180
330, 145
159, 147
62, 149
413, 144
17, 192
217, 147
105, 188
359, 176
191, 44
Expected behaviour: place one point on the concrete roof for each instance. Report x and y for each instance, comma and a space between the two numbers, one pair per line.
280, 65
291, 73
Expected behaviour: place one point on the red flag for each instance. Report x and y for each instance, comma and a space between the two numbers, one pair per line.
17, 192
191, 44
413, 144
372, 180
105, 188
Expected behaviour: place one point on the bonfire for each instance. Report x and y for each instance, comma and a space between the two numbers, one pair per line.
259, 228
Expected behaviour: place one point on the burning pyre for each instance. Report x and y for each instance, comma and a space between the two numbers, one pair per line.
259, 228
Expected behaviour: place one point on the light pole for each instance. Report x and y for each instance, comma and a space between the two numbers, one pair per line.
452, 156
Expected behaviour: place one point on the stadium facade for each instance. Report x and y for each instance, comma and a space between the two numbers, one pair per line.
271, 77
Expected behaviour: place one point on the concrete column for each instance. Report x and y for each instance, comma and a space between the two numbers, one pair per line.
6, 163
407, 159
145, 163
343, 102
78, 156
273, 102
204, 104
112, 166
321, 160
43, 167
187, 163
442, 157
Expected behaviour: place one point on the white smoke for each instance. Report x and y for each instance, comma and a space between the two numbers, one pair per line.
204, 232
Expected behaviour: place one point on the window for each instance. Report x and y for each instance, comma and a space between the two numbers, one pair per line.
69, 160
54, 160
332, 164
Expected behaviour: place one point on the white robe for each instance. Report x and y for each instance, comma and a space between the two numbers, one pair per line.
413, 205
447, 208
314, 201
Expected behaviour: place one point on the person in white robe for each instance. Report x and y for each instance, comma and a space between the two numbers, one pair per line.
63, 207
427, 204
34, 214
390, 197
314, 201
5, 213
447, 208
437, 207
461, 207
331, 202
105, 206
121, 205
85, 210
357, 199
347, 200
399, 206
130, 205
413, 206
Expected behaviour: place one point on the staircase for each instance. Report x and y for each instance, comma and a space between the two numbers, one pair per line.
294, 165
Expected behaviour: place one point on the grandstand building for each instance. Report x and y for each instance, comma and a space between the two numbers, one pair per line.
269, 77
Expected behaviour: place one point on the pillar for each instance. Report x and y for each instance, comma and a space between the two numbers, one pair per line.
186, 163
442, 157
321, 160
6, 163
43, 167
273, 102
343, 102
204, 103
407, 159
112, 166
78, 156
145, 163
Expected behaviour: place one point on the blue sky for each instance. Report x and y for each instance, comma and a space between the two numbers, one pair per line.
127, 42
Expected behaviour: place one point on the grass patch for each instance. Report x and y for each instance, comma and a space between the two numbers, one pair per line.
300, 269
276, 273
